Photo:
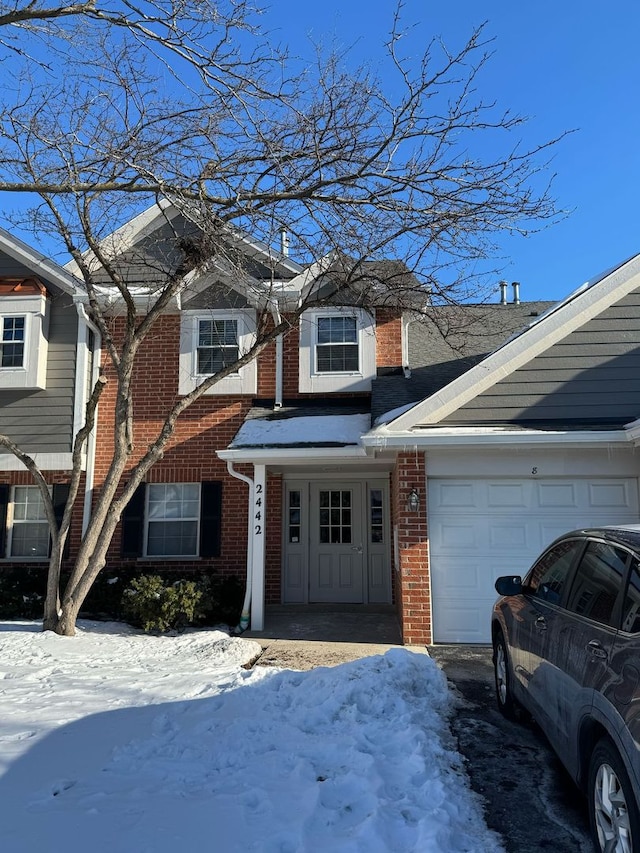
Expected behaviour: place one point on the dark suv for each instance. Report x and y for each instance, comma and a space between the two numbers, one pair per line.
566, 647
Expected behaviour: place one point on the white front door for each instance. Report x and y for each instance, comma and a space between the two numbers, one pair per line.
336, 563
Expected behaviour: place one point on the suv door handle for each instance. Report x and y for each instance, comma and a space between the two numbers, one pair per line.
595, 649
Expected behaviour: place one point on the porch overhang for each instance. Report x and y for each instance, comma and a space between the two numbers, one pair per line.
310, 455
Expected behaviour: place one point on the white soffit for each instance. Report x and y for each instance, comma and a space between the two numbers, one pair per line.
569, 316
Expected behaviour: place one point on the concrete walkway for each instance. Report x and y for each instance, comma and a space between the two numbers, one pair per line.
306, 637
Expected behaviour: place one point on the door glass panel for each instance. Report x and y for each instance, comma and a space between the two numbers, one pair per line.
376, 525
335, 516
294, 516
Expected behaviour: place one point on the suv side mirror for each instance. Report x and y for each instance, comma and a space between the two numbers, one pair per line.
509, 585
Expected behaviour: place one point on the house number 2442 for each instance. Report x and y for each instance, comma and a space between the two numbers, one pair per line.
258, 511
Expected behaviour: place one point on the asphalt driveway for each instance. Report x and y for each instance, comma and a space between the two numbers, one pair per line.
529, 799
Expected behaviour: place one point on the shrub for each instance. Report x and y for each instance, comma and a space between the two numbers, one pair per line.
153, 605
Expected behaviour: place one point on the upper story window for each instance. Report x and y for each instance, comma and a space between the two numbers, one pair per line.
217, 345
337, 350
23, 334
211, 341
12, 344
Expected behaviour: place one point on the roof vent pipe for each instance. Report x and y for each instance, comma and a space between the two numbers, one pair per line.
516, 292
503, 292
284, 242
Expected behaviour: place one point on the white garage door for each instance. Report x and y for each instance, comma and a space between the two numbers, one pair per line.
481, 529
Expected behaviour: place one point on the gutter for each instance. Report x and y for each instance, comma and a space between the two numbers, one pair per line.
474, 437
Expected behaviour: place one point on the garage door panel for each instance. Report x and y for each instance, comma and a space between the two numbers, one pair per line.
475, 578
463, 624
481, 529
506, 495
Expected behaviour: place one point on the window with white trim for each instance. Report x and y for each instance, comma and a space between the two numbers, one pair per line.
337, 350
173, 517
23, 341
29, 529
213, 340
217, 345
12, 342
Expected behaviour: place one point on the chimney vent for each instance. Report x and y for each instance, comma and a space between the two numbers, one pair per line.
516, 292
284, 242
503, 293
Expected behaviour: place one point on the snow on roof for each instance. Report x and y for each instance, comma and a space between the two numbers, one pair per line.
324, 431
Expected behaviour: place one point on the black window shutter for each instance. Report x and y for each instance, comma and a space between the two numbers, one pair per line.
60, 495
4, 500
210, 518
133, 524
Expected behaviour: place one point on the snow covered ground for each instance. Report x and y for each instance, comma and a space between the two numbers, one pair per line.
116, 741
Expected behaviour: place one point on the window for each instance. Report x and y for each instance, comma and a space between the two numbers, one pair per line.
211, 341
547, 578
173, 520
173, 513
597, 582
337, 350
631, 607
335, 516
24, 529
337, 345
294, 516
29, 529
24, 320
376, 521
217, 345
12, 343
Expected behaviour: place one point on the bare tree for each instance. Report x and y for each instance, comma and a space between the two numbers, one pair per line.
193, 103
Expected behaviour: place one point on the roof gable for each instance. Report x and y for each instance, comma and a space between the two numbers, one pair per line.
42, 267
585, 304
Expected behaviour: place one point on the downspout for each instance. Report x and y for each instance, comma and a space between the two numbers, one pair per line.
277, 319
246, 612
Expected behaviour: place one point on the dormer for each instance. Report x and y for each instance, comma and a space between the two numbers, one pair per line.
24, 326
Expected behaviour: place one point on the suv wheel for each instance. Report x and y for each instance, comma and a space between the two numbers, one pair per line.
502, 671
613, 811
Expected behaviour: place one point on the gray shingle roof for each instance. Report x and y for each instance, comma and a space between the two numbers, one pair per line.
447, 342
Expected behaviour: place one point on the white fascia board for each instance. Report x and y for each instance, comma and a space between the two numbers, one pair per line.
274, 455
490, 437
36, 261
584, 306
632, 432
304, 283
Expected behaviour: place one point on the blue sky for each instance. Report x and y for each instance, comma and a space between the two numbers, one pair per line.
567, 65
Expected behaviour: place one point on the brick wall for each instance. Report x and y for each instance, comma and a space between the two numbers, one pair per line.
388, 338
411, 579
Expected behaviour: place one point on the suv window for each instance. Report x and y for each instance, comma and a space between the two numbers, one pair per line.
547, 578
631, 607
597, 582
